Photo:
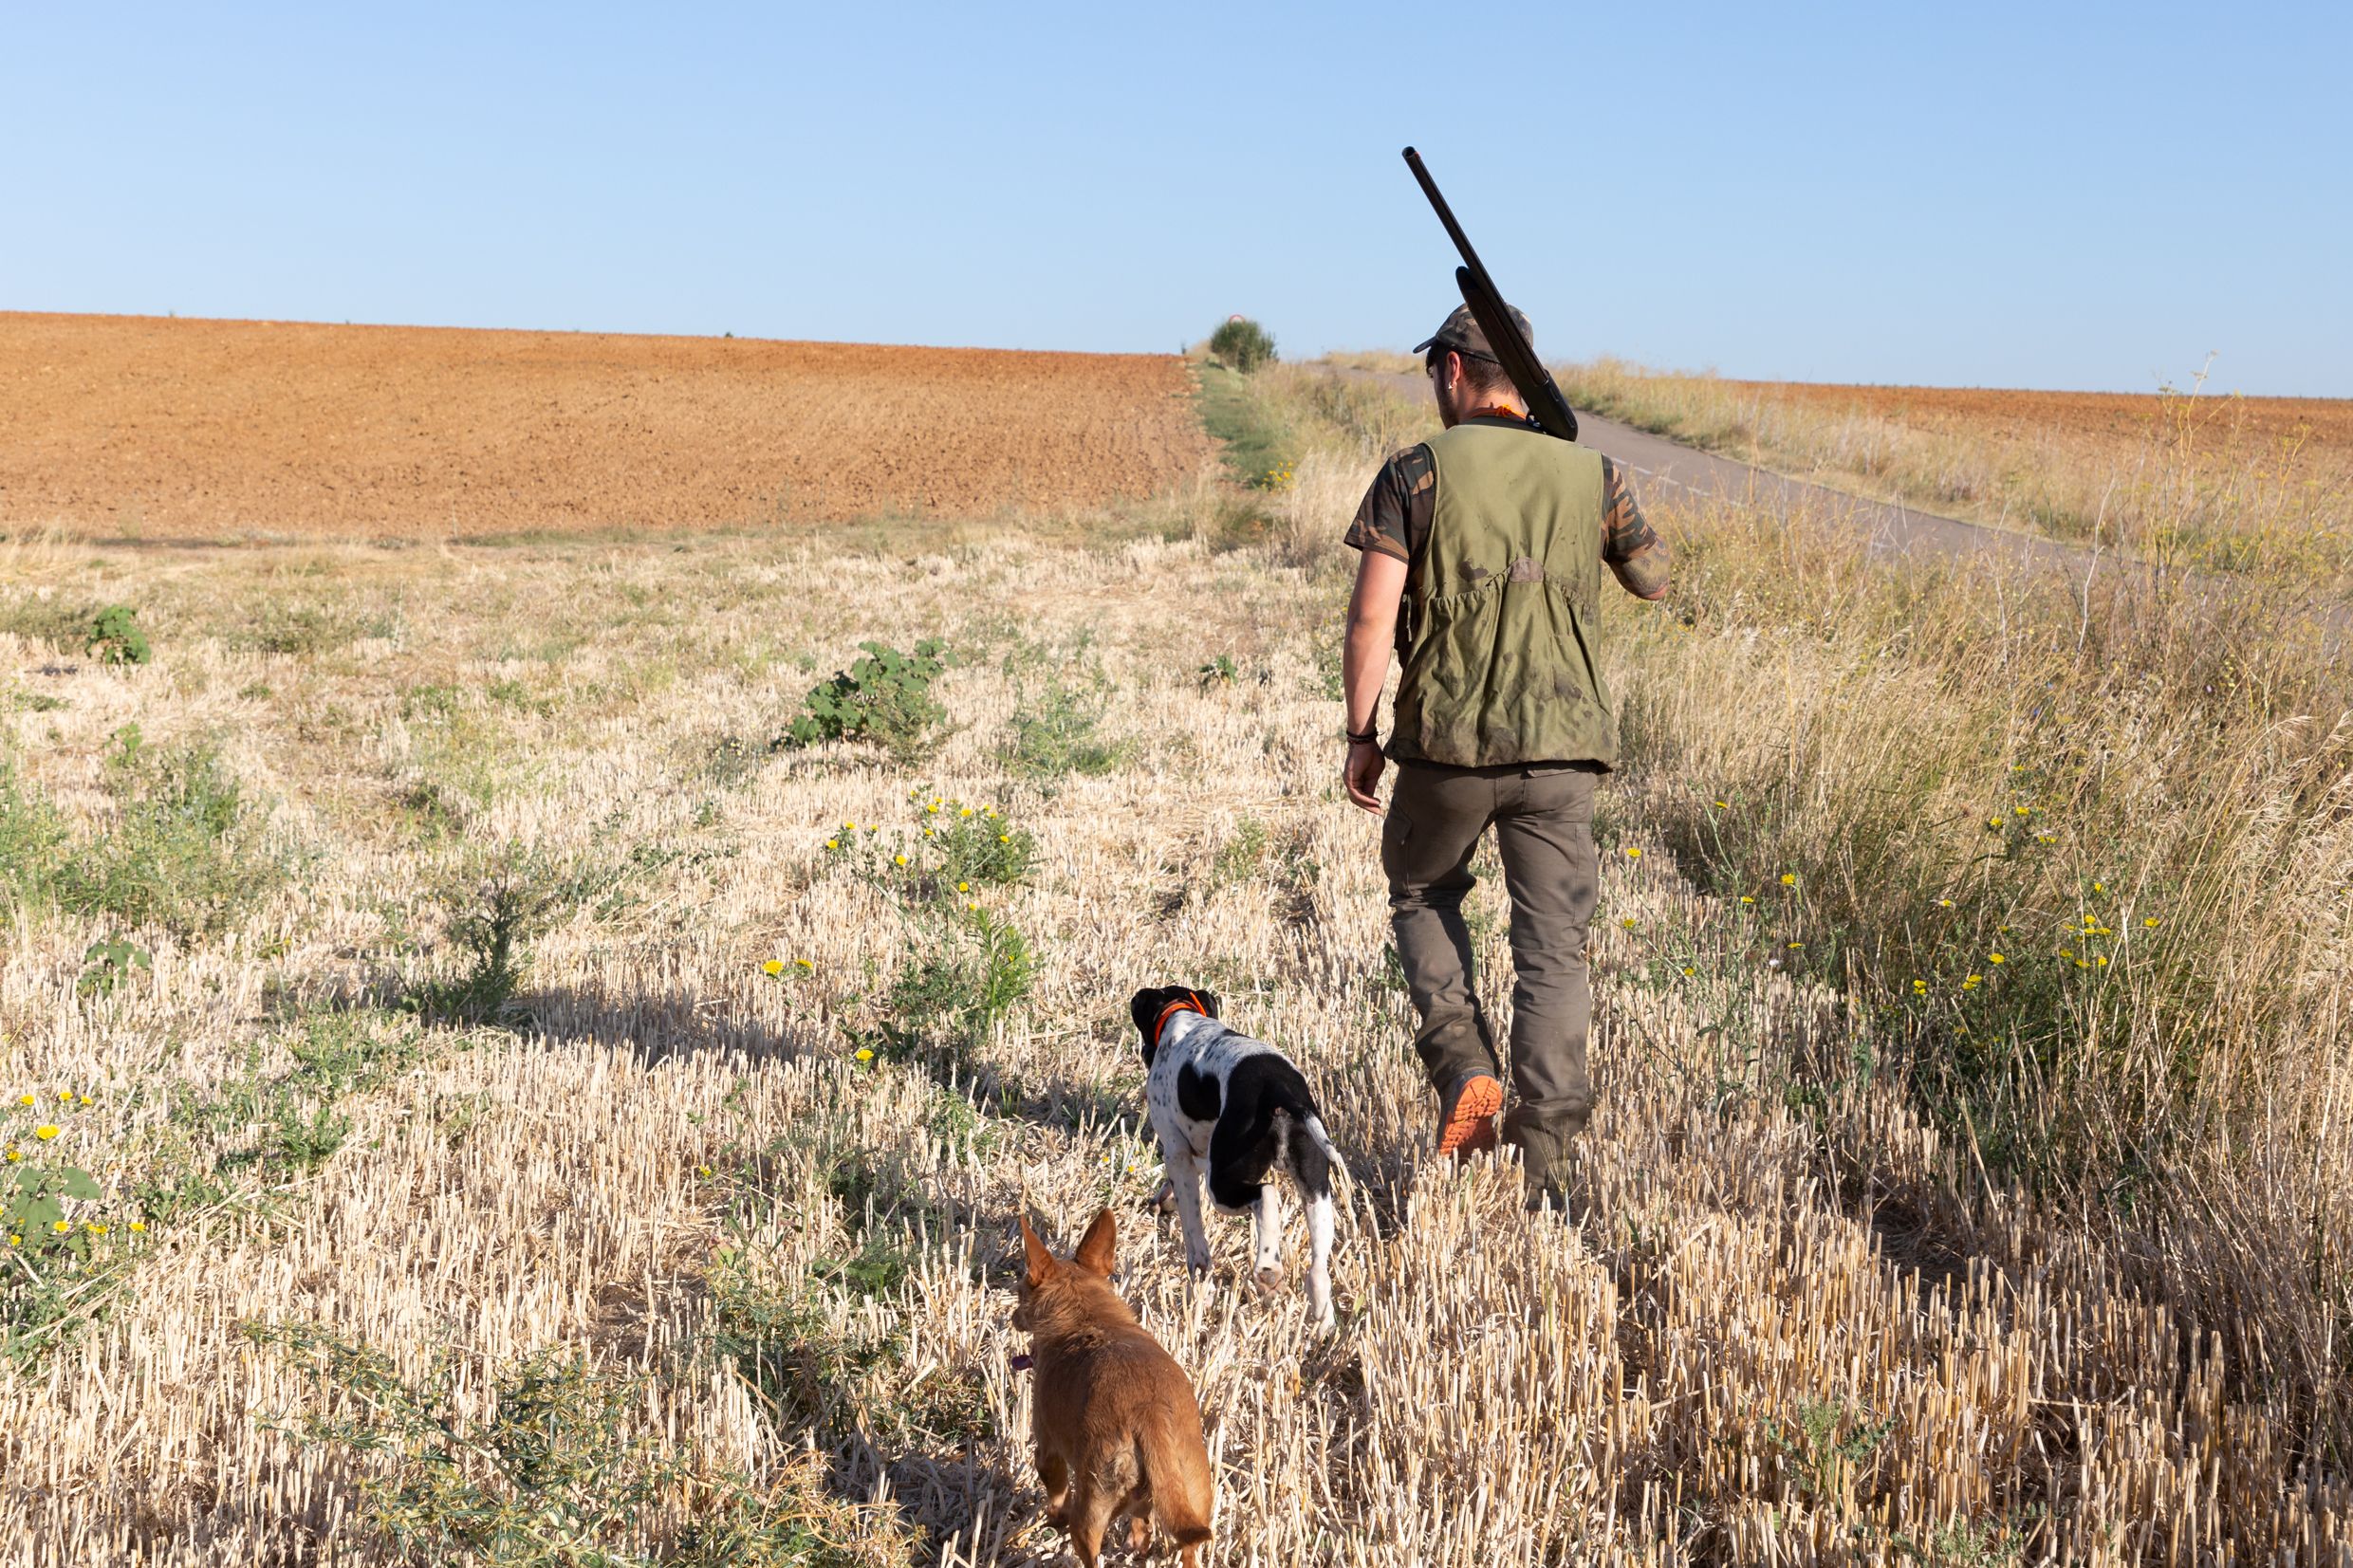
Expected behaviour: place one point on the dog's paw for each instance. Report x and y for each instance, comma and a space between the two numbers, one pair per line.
1198, 1260
1270, 1279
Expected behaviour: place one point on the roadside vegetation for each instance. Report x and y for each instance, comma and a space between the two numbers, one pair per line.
2259, 488
556, 1037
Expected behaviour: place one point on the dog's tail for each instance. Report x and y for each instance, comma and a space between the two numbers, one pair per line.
1176, 1469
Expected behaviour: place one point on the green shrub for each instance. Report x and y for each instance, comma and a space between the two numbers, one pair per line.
186, 853
972, 970
493, 920
115, 637
32, 838
1242, 343
1052, 734
63, 1245
952, 847
884, 698
109, 964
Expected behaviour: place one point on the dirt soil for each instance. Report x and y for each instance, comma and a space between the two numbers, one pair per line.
165, 428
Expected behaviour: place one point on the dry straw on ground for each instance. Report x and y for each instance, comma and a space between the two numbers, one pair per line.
1801, 1321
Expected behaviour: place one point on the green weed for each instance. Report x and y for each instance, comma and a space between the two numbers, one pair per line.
1053, 732
115, 637
884, 698
491, 922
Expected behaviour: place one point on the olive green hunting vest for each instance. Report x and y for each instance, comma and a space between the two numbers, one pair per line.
1502, 662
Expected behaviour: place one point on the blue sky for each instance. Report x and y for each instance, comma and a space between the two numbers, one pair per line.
2089, 197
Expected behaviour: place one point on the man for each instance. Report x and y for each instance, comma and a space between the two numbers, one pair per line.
1482, 556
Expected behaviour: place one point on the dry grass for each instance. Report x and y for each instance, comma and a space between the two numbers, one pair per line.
2260, 485
1805, 1320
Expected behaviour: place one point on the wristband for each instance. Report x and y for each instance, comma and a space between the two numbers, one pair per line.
1370, 737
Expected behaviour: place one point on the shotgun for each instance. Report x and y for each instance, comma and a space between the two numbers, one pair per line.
1547, 408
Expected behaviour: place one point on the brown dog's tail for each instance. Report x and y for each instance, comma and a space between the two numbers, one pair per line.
1176, 1468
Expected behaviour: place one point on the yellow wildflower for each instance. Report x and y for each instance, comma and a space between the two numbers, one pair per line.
899, 860
23, 1099
1633, 854
2102, 960
14, 1155
95, 1228
2150, 921
65, 1094
1004, 838
2066, 953
1627, 922
46, 1131
1688, 970
774, 966
963, 887
1944, 903
833, 843
1723, 805
61, 1226
804, 963
966, 812
1789, 878
1994, 958
1794, 946
864, 1055
1746, 899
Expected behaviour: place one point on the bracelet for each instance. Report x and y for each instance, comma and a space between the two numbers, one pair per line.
1370, 737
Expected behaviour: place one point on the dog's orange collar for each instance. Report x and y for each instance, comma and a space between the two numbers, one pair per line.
1189, 1003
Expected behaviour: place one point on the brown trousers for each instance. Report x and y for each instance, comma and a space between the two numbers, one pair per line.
1542, 816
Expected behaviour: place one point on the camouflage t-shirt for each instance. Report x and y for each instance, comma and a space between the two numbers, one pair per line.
1394, 516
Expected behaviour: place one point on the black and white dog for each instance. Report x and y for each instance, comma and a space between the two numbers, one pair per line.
1234, 1110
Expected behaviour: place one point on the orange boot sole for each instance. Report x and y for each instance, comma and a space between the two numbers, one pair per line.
1470, 1127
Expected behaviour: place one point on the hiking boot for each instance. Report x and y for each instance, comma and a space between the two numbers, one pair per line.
1467, 1111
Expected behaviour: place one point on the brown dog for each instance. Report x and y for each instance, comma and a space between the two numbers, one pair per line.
1116, 1427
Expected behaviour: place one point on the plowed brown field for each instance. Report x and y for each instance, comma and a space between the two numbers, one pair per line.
171, 428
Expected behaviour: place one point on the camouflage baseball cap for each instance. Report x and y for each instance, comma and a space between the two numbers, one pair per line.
1460, 332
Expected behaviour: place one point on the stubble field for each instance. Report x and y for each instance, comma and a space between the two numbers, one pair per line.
140, 427
560, 1120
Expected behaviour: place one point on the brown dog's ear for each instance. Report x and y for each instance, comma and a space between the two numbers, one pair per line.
1042, 1262
1096, 1247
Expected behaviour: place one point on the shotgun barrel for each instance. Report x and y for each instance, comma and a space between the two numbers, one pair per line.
1547, 408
